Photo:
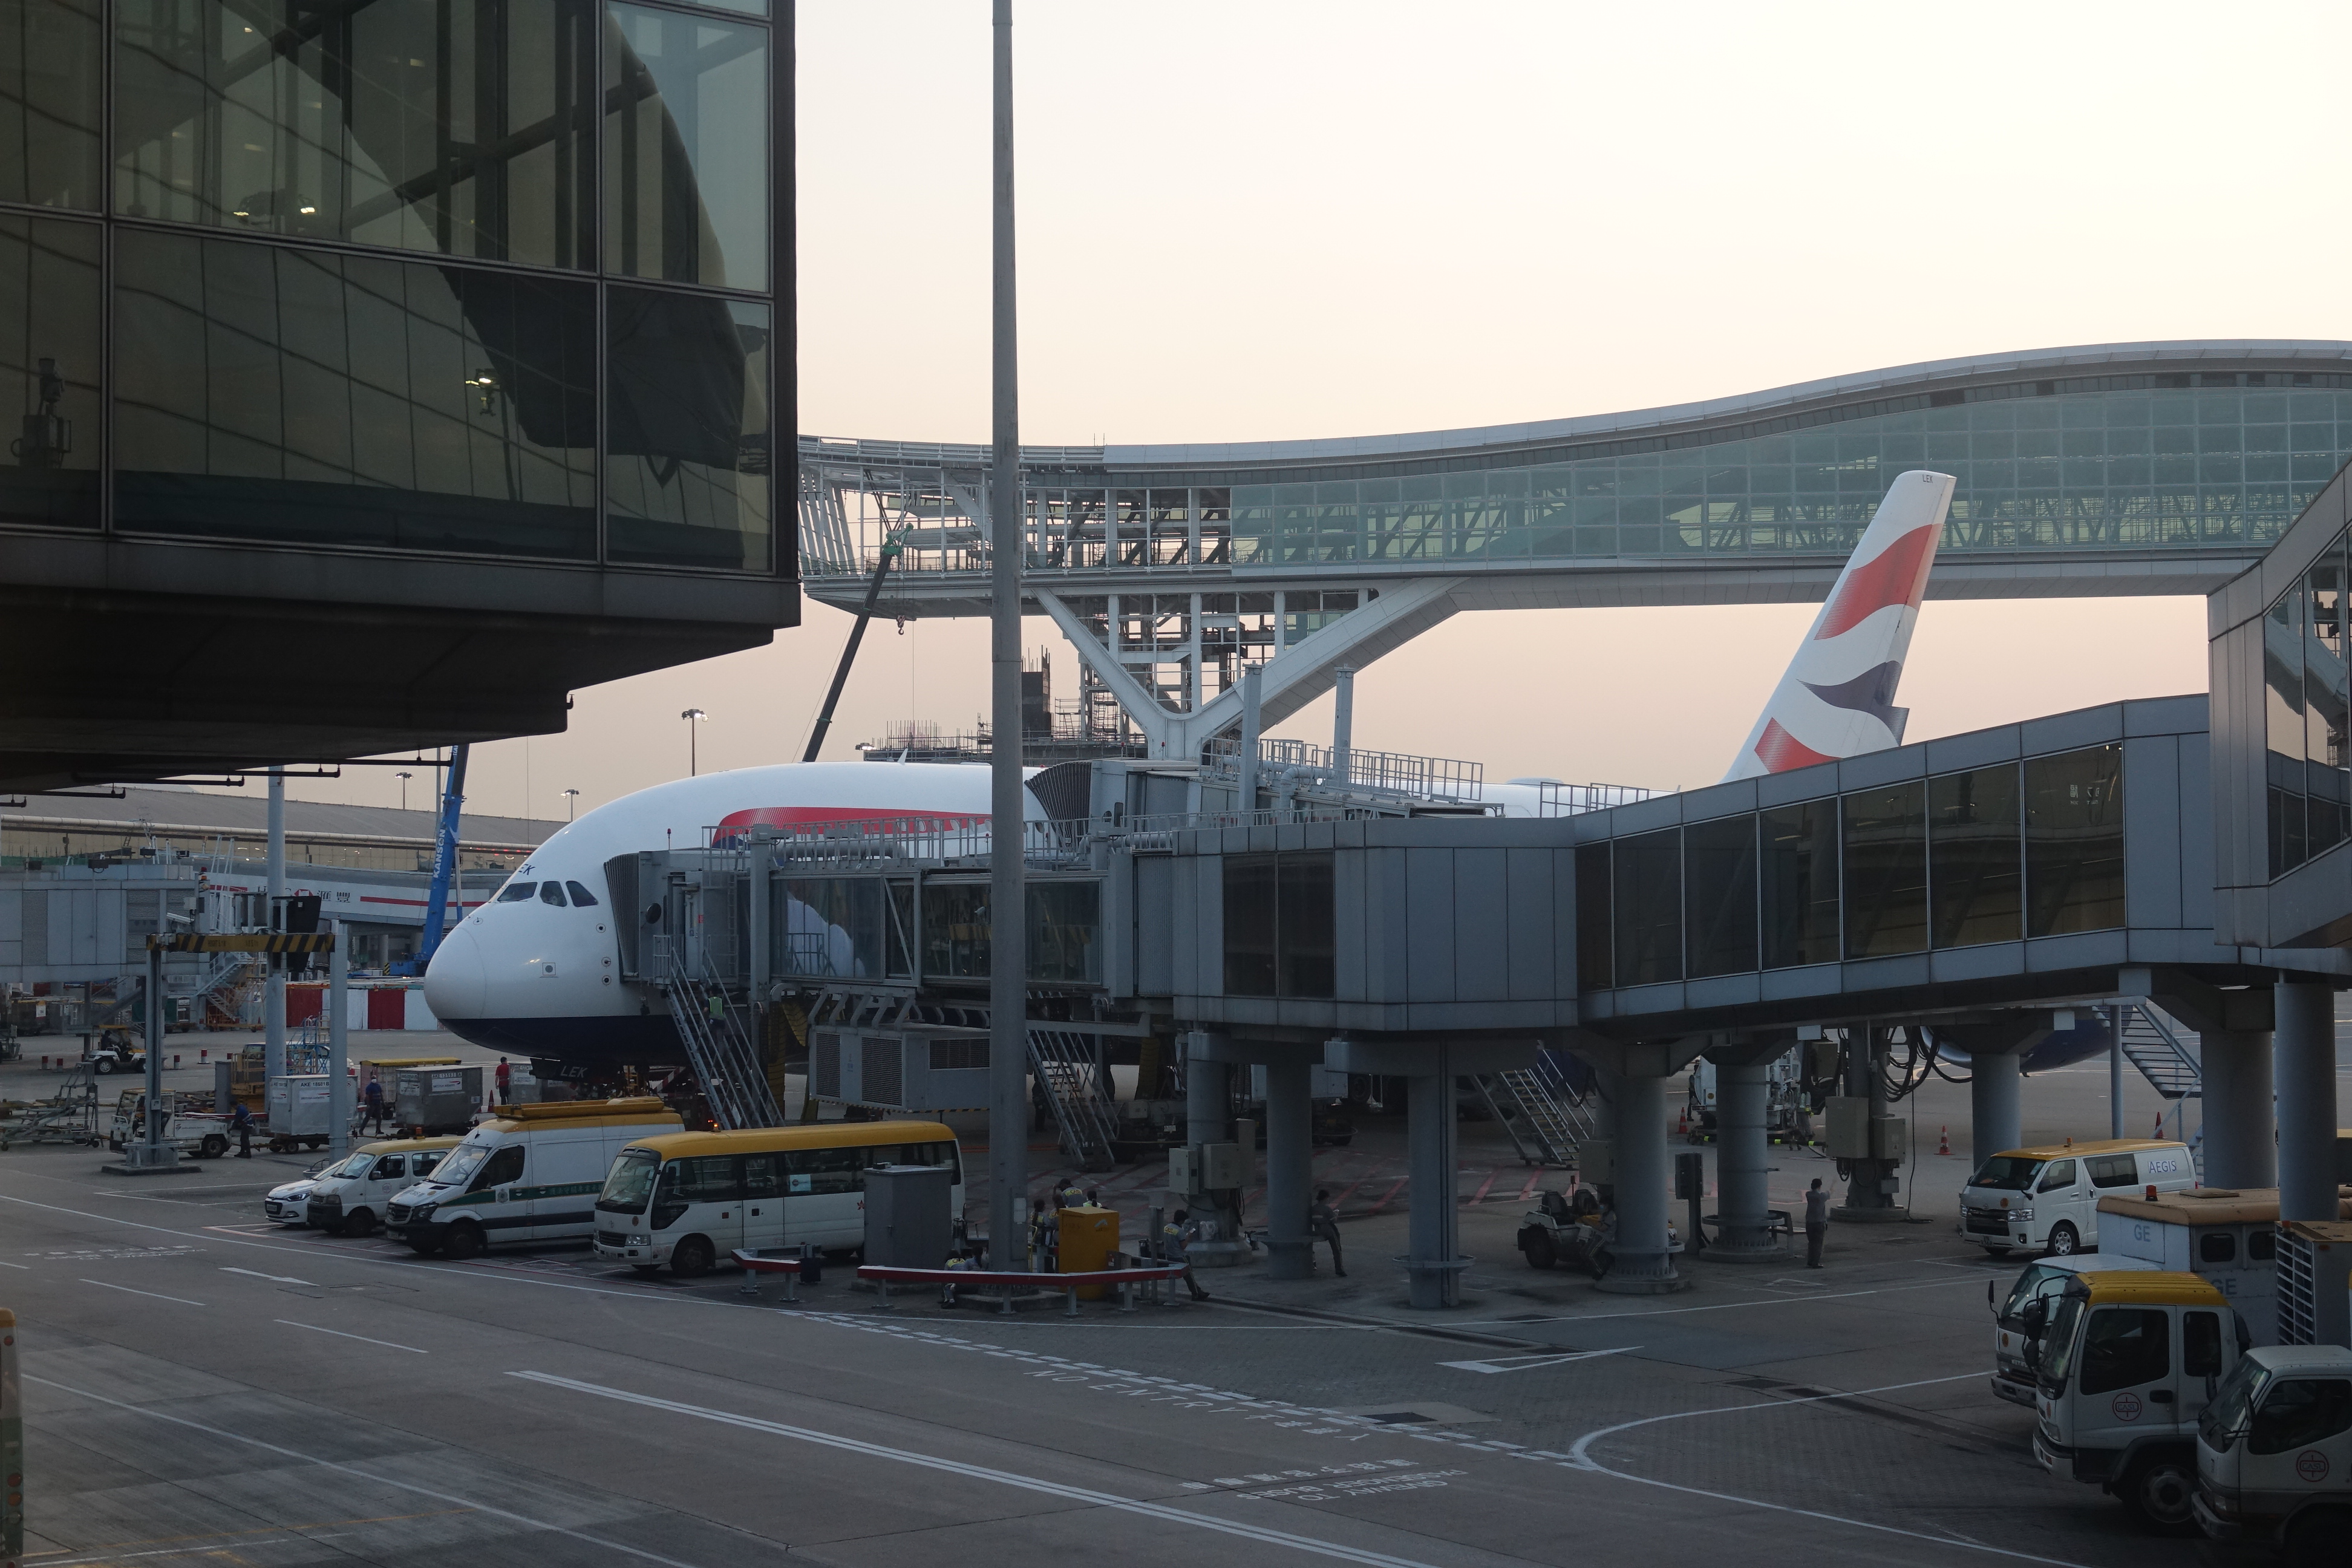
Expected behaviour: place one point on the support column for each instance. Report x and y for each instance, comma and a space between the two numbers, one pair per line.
1995, 1119
2114, 1072
1743, 1227
1865, 1079
1289, 1114
1207, 1107
2241, 1142
338, 1083
1431, 1248
2303, 1053
273, 999
1645, 1260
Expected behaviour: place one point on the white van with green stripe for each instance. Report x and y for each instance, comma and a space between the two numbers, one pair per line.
531, 1175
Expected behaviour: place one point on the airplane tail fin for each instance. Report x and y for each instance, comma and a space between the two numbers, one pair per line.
1837, 696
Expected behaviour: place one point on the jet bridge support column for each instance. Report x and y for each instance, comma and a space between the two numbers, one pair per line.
1289, 1117
1743, 1201
1645, 1257
2304, 1062
1208, 1118
2240, 1149
1996, 1121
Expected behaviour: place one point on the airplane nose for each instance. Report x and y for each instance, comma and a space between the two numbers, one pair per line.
457, 983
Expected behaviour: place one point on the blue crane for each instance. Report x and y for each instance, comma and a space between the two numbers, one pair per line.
445, 865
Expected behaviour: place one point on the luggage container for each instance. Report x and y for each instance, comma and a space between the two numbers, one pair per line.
299, 1112
437, 1099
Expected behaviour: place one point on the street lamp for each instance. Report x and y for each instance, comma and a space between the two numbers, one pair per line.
692, 716
403, 776
570, 804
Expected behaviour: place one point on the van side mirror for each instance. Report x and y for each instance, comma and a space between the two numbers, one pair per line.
1991, 1300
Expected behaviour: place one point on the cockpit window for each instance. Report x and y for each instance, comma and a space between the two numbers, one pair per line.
552, 893
516, 893
581, 897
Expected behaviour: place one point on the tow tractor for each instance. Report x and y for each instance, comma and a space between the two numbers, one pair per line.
2275, 1453
189, 1123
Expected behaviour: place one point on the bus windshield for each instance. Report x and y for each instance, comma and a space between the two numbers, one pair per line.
2012, 1173
630, 1182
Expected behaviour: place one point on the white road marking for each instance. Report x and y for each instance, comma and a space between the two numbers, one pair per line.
26, 1266
296, 1454
1579, 1455
151, 1295
273, 1278
1529, 1362
338, 1334
1712, 1306
1162, 1512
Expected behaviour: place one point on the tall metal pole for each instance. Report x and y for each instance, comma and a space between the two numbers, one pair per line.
1008, 1000
1343, 724
273, 1001
153, 1154
338, 1083
2114, 1072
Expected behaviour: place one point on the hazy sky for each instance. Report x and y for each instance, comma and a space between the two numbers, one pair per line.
1299, 219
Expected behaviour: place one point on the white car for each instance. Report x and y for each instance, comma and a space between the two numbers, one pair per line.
289, 1202
350, 1198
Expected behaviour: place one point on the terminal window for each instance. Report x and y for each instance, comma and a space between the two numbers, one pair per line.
1278, 925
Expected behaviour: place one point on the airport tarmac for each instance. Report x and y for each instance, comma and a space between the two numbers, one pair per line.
203, 1387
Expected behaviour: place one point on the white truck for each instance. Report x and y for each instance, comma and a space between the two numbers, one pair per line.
199, 1133
2274, 1454
2017, 1322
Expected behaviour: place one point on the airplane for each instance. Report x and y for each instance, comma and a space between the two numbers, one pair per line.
1837, 696
533, 970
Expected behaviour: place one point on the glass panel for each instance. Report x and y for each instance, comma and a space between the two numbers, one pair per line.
2324, 702
826, 926
1303, 932
1719, 895
1649, 907
265, 393
956, 928
50, 84
686, 430
1799, 881
1249, 925
1593, 967
686, 149
1064, 932
49, 338
1974, 847
2074, 841
455, 126
1885, 859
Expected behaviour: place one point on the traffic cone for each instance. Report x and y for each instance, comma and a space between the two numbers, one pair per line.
1944, 1141
1682, 1123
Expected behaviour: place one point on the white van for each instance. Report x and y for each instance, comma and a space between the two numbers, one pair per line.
531, 1175
691, 1198
2047, 1199
349, 1196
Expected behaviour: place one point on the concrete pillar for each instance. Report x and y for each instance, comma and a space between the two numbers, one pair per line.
2240, 1144
2303, 1056
273, 998
1208, 1107
1431, 1248
1865, 1078
1289, 1127
1645, 1260
1995, 1119
338, 1083
1743, 1230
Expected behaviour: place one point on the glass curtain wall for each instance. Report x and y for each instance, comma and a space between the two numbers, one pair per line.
1974, 864
2074, 841
1719, 896
2304, 709
52, 74
50, 337
1279, 938
1799, 883
1885, 859
1649, 907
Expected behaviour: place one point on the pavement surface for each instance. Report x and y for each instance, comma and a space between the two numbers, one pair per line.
201, 1387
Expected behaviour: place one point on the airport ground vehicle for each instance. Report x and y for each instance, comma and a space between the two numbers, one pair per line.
688, 1199
2047, 1198
191, 1131
349, 1198
2040, 1280
2274, 1454
531, 1175
2125, 1369
289, 1202
116, 1051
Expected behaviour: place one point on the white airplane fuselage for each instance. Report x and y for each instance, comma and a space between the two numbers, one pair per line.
531, 976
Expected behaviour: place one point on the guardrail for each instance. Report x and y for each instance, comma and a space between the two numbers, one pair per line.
1125, 1280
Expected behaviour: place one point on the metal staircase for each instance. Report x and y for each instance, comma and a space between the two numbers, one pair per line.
724, 1058
231, 998
1556, 1118
1064, 1062
2149, 1045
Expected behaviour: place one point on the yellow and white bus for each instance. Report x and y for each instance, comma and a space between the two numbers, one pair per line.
688, 1199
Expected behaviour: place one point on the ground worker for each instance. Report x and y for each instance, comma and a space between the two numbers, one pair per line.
506, 1079
1174, 1240
242, 1124
1817, 1222
1323, 1224
372, 1109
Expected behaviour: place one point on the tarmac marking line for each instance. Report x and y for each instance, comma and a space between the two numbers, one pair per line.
114, 1547
338, 1334
151, 1295
273, 1278
1162, 1512
1530, 1362
463, 1503
1579, 1457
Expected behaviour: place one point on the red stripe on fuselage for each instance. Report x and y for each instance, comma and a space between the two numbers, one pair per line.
1781, 751
800, 815
1897, 576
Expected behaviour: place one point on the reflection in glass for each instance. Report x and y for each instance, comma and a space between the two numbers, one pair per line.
1064, 932
1249, 894
1974, 842
2074, 841
52, 55
1649, 907
1719, 895
1799, 883
686, 430
1305, 938
1886, 858
957, 931
826, 926
49, 351
2324, 702
1593, 968
686, 149
268, 393
454, 126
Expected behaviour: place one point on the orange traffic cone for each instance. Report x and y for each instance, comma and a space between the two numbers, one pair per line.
1944, 1141
1682, 1123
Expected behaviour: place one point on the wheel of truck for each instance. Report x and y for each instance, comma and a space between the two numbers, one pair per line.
2064, 1241
314, 1143
215, 1145
2316, 1537
690, 1258
425, 1248
359, 1222
464, 1241
103, 1065
1541, 1252
2157, 1491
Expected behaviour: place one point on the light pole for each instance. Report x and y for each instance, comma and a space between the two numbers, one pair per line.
570, 804
692, 716
404, 777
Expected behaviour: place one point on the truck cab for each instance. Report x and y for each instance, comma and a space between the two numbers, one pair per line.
2018, 1321
2275, 1453
2123, 1374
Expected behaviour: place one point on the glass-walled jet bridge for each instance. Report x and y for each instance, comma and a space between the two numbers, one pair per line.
2163, 468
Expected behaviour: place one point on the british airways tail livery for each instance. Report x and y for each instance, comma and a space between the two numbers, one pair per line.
1837, 698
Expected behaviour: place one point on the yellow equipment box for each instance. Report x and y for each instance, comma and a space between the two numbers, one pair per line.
1089, 1237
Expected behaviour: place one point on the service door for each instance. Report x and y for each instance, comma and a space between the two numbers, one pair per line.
2127, 1387
712, 1185
2203, 1362
2299, 1443
567, 1169
2058, 1200
763, 1201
